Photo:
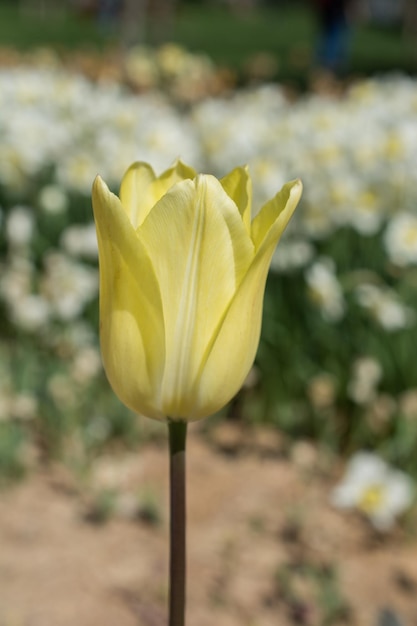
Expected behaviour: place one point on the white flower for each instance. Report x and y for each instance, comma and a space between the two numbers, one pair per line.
68, 286
367, 372
141, 67
401, 239
321, 390
291, 254
375, 489
325, 290
53, 199
385, 306
408, 403
80, 240
24, 406
61, 391
19, 226
16, 279
366, 215
86, 365
30, 312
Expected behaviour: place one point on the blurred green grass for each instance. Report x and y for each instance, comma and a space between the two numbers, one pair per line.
287, 33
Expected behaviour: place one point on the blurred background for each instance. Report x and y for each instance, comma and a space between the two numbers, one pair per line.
257, 39
324, 90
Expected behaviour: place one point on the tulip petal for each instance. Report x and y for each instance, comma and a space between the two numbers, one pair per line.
238, 185
136, 193
238, 338
140, 189
199, 256
132, 329
243, 317
274, 216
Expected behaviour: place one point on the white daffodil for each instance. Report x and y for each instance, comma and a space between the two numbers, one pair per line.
324, 289
374, 488
401, 239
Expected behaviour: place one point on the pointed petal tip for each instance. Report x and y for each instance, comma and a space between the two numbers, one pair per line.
183, 169
97, 181
178, 161
100, 188
296, 183
297, 189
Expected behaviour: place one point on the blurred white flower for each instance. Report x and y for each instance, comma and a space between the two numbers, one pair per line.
80, 240
60, 120
321, 390
20, 225
16, 279
408, 403
342, 147
24, 406
77, 170
291, 255
324, 289
19, 405
61, 391
86, 365
385, 307
67, 285
141, 67
365, 215
30, 312
401, 239
380, 412
53, 199
67, 340
375, 489
366, 374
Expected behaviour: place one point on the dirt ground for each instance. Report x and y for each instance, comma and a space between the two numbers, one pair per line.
265, 547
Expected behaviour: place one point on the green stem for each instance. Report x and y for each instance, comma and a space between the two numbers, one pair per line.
177, 440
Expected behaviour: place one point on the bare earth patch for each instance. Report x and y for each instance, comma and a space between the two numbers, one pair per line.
264, 545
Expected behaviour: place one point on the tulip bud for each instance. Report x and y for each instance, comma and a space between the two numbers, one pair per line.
182, 279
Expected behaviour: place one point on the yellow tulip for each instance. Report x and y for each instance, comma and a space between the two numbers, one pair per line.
182, 278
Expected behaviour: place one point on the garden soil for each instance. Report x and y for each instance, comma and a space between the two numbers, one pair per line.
265, 546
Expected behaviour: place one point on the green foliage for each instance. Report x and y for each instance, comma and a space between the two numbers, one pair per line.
60, 29
13, 442
287, 32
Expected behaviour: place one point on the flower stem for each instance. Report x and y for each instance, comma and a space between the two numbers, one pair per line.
177, 440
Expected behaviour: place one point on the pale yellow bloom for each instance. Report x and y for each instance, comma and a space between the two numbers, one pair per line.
182, 276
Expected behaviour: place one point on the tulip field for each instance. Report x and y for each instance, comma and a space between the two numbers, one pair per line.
334, 379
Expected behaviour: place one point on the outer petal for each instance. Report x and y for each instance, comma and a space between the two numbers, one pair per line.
131, 329
238, 185
274, 216
206, 253
140, 189
233, 350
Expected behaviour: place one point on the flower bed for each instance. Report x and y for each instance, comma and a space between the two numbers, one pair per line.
337, 354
